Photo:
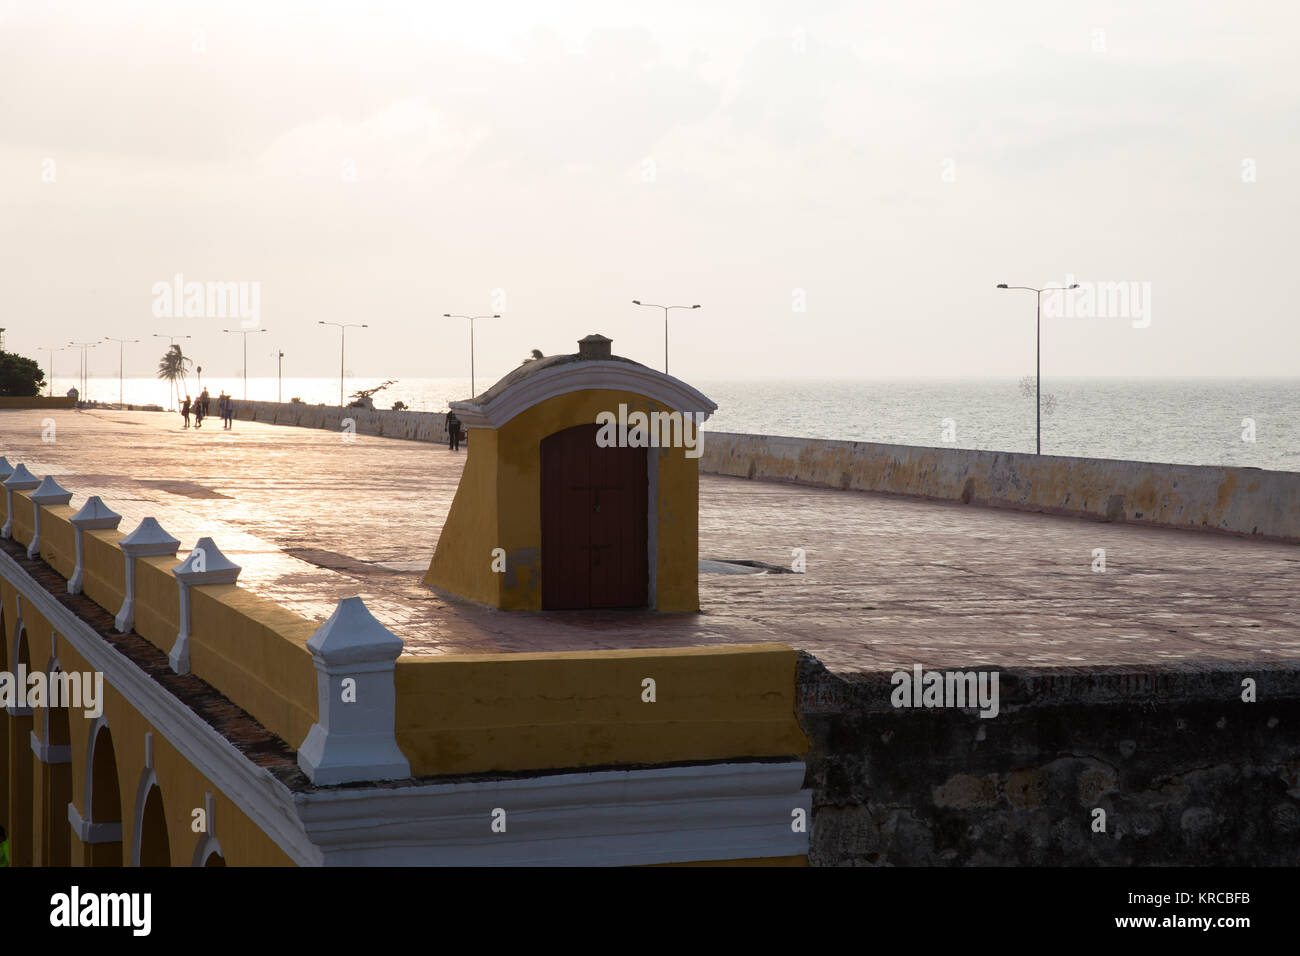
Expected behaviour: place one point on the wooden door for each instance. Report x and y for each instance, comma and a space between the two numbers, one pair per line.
594, 504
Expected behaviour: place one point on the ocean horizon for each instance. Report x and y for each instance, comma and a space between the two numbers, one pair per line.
1202, 421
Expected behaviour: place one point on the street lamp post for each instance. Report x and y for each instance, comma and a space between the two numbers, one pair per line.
343, 333
1038, 355
121, 346
244, 333
279, 377
172, 340
51, 349
651, 305
448, 315
83, 346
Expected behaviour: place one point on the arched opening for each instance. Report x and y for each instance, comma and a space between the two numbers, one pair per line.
56, 837
594, 522
215, 859
21, 823
103, 797
154, 849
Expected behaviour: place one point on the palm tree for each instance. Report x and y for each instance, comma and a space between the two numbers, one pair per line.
172, 367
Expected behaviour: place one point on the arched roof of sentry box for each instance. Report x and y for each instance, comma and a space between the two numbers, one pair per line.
592, 366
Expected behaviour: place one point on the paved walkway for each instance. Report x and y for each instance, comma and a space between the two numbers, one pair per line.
889, 581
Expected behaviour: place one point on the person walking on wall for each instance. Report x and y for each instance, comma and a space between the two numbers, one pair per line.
453, 431
230, 412
206, 400
185, 411
198, 412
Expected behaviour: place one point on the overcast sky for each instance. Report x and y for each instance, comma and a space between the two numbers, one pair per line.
839, 185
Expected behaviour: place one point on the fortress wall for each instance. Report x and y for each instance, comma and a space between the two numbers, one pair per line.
1184, 770
413, 426
1244, 501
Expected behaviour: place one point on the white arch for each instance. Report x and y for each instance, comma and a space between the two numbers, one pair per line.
148, 780
580, 376
88, 829
208, 846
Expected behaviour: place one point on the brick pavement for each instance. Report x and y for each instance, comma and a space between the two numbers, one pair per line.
889, 581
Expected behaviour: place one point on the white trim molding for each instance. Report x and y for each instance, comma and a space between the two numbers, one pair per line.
59, 753
20, 479
205, 565
89, 832
580, 376
48, 492
147, 540
94, 515
729, 811
353, 737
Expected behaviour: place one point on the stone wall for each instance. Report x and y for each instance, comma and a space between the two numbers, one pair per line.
415, 426
1247, 501
1185, 770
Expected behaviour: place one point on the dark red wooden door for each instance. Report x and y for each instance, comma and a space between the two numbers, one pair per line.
594, 504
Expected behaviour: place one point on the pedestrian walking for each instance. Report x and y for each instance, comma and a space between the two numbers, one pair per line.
453, 431
185, 411
198, 413
230, 412
207, 403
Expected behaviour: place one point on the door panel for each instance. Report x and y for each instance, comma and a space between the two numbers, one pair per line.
594, 503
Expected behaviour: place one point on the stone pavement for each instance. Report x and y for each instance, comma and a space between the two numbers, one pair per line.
889, 581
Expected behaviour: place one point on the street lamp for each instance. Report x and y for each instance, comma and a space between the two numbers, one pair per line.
51, 349
244, 333
172, 339
121, 345
279, 387
343, 333
651, 305
448, 315
1038, 367
83, 346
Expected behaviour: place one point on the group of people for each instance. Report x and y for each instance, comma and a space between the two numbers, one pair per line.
199, 407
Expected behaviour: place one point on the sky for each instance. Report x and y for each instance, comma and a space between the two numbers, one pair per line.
840, 186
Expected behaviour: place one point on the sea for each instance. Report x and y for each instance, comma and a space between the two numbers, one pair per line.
1199, 421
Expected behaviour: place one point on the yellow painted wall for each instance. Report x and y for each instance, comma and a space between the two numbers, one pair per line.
22, 525
35, 401
485, 712
255, 652
58, 545
505, 509
157, 601
462, 562
103, 578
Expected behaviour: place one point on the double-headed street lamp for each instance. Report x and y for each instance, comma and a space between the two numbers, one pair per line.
448, 315
1038, 367
51, 349
244, 333
343, 332
651, 305
81, 397
121, 345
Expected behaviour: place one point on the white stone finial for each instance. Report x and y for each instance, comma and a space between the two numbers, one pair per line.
20, 479
94, 515
353, 737
205, 565
147, 540
48, 492
6, 469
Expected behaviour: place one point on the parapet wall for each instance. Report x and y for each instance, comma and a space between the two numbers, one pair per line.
454, 714
415, 426
36, 401
1246, 501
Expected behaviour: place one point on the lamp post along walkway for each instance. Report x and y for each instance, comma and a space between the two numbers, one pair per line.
1038, 355
343, 332
651, 305
448, 315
